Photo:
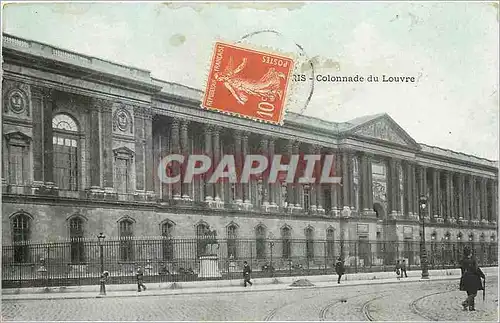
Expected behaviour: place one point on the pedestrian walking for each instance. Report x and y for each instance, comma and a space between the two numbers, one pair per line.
339, 268
246, 274
470, 281
140, 276
398, 270
403, 269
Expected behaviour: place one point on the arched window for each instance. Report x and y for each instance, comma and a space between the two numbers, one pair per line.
309, 243
167, 241
126, 242
232, 235
76, 237
286, 241
21, 225
330, 243
260, 241
65, 152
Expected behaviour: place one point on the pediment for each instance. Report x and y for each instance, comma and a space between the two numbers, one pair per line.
385, 129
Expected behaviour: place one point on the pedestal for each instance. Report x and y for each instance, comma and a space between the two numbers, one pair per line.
209, 267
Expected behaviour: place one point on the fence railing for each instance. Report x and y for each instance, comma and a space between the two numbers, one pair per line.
80, 261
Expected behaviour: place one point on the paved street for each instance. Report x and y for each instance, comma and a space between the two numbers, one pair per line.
418, 301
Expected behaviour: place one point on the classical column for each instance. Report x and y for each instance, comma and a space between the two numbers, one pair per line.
95, 146
139, 147
298, 186
408, 194
264, 146
472, 198
164, 138
176, 149
392, 191
209, 188
448, 211
461, 200
246, 186
48, 161
399, 179
352, 193
422, 185
216, 160
494, 201
365, 178
312, 189
369, 185
318, 186
239, 165
38, 104
453, 215
290, 192
107, 143
186, 187
272, 186
413, 192
339, 173
435, 193
346, 201
484, 206
334, 187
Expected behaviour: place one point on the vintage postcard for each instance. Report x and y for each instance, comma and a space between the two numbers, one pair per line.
250, 161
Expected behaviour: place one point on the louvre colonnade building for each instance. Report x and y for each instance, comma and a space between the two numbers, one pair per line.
83, 137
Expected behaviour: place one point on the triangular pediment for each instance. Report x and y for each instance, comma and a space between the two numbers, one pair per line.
384, 128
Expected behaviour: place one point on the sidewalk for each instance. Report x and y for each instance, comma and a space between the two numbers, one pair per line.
226, 286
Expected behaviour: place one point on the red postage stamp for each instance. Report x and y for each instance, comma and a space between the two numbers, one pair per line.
248, 83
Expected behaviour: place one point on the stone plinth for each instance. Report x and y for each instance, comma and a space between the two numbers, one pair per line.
209, 267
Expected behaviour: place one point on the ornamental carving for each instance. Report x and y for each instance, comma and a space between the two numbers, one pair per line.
122, 120
17, 101
381, 130
379, 191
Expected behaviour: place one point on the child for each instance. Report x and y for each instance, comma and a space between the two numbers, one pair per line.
246, 274
140, 275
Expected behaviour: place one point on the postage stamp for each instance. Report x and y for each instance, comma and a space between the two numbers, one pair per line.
248, 83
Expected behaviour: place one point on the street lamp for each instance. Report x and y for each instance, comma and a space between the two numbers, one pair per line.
271, 245
423, 253
101, 238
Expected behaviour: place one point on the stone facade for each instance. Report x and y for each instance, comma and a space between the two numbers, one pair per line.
85, 139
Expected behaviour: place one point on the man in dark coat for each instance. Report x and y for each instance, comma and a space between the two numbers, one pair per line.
470, 280
246, 274
139, 275
339, 268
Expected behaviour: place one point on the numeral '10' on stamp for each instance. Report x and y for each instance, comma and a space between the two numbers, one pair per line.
248, 83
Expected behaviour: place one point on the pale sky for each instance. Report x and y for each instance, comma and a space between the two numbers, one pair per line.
452, 48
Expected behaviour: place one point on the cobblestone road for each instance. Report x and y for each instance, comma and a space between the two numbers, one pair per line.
419, 301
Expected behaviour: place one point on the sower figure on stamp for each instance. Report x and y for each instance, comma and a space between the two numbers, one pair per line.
140, 276
339, 268
470, 280
246, 274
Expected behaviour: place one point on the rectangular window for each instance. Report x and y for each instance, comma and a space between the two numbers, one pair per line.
17, 168
122, 175
65, 164
306, 198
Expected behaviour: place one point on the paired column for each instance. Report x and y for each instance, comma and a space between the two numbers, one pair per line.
423, 188
264, 149
448, 214
39, 100
290, 189
298, 186
239, 165
472, 198
346, 189
365, 184
312, 189
435, 193
139, 148
272, 186
494, 201
175, 149
107, 144
461, 200
244, 150
317, 184
408, 194
216, 161
94, 145
483, 199
209, 188
335, 187
395, 200
186, 187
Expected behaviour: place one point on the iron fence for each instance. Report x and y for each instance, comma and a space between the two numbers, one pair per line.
80, 261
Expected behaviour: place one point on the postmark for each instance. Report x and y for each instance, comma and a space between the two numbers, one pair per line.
248, 83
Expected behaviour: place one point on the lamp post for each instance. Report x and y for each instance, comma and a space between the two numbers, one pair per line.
101, 238
271, 245
423, 253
